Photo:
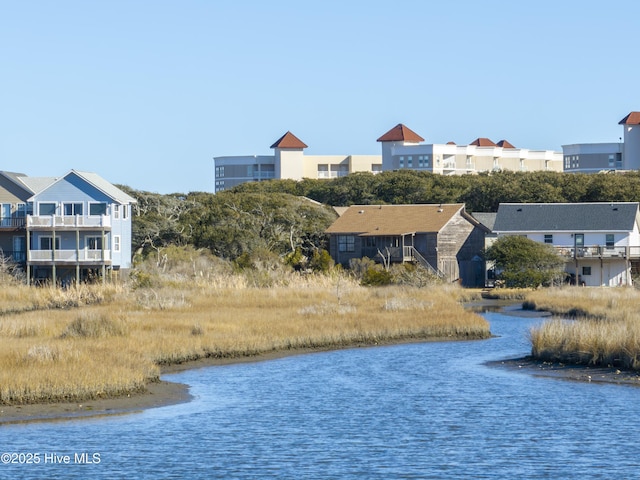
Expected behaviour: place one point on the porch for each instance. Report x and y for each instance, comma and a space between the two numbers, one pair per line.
61, 222
93, 257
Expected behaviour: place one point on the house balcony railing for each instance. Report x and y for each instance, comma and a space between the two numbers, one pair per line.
598, 251
70, 256
393, 254
13, 256
12, 223
76, 221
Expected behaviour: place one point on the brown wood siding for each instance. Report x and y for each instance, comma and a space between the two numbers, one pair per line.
459, 241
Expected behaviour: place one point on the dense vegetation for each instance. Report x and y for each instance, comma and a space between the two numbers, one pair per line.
271, 221
525, 263
480, 193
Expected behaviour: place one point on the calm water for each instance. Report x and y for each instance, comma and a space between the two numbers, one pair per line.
410, 411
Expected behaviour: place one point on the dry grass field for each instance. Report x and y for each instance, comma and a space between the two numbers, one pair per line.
107, 341
601, 326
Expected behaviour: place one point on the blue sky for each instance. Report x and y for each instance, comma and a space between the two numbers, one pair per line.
146, 92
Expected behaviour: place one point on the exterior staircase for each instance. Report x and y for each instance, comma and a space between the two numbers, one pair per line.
423, 262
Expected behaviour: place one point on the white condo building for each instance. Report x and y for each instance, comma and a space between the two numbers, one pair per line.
614, 156
401, 149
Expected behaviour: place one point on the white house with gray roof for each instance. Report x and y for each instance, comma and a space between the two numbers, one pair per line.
599, 241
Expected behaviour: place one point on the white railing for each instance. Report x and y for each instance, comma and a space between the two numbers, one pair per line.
598, 251
52, 221
69, 255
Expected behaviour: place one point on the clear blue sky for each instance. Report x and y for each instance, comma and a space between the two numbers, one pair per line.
146, 92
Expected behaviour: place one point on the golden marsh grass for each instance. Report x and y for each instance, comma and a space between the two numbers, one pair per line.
604, 328
117, 344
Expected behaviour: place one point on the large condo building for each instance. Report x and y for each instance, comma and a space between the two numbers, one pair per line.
289, 162
598, 157
401, 149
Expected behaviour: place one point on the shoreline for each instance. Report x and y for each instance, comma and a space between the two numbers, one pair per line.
163, 393
562, 371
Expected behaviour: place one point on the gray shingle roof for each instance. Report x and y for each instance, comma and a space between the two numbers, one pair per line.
486, 219
568, 217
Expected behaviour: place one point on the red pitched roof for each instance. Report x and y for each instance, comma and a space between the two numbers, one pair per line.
632, 119
483, 142
289, 140
451, 143
504, 144
400, 133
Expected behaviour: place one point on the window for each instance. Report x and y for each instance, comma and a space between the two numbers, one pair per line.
97, 209
21, 210
548, 238
71, 209
94, 243
116, 243
323, 171
586, 271
611, 160
46, 243
19, 248
125, 212
409, 162
346, 243
116, 211
47, 209
5, 210
370, 241
401, 163
610, 241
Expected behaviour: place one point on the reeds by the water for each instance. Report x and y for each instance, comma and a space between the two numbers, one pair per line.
600, 326
115, 343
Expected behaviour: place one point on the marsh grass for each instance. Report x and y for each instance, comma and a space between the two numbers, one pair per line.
113, 347
599, 326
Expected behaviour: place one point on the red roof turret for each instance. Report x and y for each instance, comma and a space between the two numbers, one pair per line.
400, 133
289, 140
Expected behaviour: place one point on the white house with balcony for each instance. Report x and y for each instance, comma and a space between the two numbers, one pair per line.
77, 227
600, 242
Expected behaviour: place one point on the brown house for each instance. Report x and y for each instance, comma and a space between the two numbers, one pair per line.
443, 238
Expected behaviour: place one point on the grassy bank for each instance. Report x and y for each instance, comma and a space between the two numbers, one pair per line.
107, 342
601, 326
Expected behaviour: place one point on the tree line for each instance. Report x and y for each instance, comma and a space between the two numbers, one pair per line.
282, 217
480, 192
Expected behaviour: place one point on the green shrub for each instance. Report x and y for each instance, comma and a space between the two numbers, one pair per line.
376, 276
321, 261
